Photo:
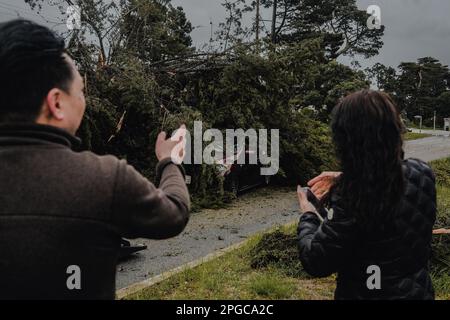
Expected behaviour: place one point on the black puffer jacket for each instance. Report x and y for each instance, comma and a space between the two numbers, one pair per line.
401, 252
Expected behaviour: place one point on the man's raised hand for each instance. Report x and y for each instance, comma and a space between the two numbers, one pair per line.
174, 147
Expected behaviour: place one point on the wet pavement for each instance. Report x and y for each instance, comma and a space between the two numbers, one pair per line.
428, 149
211, 230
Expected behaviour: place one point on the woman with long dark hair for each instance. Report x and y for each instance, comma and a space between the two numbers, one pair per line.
377, 233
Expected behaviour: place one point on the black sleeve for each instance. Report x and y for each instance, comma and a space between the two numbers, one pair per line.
324, 247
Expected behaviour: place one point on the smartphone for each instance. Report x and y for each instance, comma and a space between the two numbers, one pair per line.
316, 202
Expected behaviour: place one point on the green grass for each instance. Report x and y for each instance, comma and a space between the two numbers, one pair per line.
441, 169
442, 286
274, 272
417, 126
415, 136
441, 244
273, 286
232, 277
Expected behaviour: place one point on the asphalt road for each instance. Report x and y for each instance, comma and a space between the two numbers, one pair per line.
211, 230
428, 149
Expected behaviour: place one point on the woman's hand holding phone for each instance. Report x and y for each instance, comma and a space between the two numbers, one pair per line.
305, 204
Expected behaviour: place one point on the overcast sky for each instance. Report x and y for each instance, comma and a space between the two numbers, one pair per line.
414, 28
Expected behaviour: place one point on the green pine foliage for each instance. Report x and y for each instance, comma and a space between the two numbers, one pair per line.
143, 76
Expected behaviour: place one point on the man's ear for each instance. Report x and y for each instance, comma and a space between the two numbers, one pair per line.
54, 100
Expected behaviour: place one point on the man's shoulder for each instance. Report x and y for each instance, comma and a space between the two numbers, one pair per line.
89, 156
94, 164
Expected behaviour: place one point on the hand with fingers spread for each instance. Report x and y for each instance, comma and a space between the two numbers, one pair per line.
322, 184
174, 148
305, 204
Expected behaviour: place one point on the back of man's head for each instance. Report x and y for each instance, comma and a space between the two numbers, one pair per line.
31, 64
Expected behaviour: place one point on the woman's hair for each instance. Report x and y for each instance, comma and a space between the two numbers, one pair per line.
367, 133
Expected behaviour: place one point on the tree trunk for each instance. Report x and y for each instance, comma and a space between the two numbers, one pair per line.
274, 21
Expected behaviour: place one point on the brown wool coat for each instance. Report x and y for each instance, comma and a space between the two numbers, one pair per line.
60, 208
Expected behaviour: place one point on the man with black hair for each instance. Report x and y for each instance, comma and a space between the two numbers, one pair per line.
63, 213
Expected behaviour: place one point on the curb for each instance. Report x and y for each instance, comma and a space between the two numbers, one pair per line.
136, 287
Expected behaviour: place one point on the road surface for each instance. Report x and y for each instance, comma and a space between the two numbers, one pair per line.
428, 149
211, 230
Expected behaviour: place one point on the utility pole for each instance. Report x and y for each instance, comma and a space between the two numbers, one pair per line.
210, 37
420, 126
434, 120
211, 34
258, 19
274, 20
